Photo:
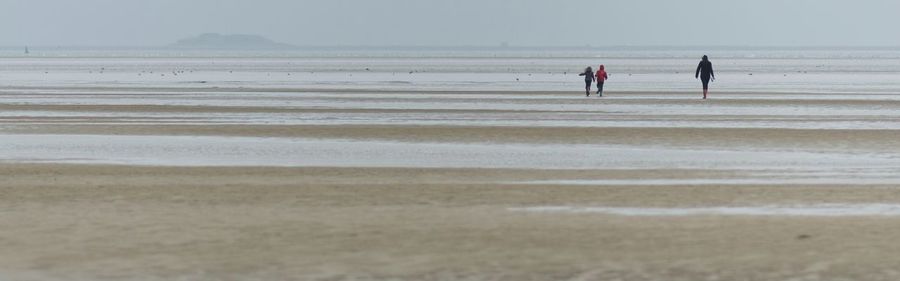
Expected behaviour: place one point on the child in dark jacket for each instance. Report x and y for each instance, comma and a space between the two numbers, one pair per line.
588, 79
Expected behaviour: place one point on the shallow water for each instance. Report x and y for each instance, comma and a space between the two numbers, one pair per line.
632, 69
793, 111
812, 210
749, 166
816, 90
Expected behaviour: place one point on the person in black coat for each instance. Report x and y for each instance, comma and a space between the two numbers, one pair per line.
705, 73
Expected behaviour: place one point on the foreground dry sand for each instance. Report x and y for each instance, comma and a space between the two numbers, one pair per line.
75, 222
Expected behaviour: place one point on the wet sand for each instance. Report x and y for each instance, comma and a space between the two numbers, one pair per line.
367, 221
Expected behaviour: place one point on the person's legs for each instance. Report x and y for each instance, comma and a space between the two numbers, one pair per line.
705, 87
599, 89
587, 88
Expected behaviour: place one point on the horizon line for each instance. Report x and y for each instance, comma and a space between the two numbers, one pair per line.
493, 47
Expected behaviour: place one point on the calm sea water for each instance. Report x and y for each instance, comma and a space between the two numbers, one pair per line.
632, 69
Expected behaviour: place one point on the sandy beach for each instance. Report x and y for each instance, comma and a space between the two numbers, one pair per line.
464, 140
103, 222
305, 184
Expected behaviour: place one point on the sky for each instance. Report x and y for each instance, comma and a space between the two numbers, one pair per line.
456, 22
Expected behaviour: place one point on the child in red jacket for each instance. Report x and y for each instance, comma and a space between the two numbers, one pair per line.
601, 77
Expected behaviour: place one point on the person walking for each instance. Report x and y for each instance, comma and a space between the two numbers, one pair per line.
601, 78
588, 79
705, 73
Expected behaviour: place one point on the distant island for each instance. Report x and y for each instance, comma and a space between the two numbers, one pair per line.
229, 41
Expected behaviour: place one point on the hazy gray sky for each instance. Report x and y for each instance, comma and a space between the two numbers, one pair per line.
456, 22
